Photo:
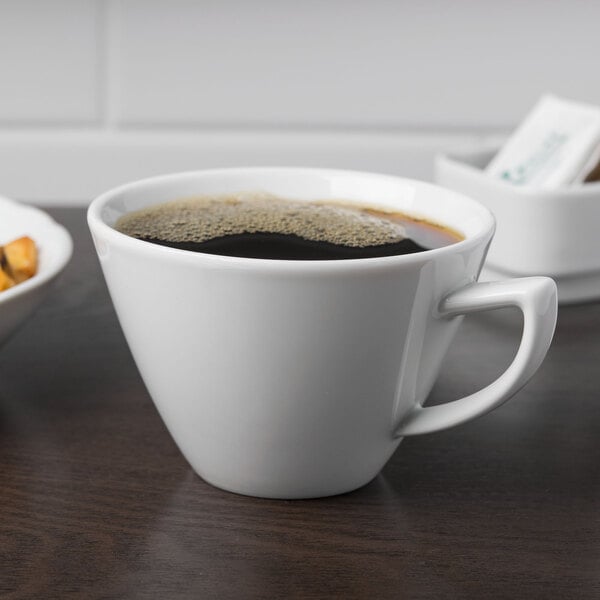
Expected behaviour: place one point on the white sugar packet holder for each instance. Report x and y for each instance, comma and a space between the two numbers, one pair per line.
551, 232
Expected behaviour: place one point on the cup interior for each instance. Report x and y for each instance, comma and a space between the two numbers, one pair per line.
415, 198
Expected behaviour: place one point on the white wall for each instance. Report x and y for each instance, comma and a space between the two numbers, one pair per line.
97, 92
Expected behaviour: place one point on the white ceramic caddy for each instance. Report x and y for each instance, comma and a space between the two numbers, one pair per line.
296, 379
55, 247
539, 232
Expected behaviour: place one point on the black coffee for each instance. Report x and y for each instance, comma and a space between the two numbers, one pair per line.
261, 226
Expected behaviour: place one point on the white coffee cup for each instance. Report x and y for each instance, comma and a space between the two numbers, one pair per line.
297, 379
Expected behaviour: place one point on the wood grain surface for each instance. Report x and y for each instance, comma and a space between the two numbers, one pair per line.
97, 502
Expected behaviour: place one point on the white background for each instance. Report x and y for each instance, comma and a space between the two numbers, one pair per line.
97, 92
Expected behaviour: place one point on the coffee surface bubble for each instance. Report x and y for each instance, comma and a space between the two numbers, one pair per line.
201, 219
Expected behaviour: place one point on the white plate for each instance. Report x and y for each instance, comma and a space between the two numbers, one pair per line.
55, 247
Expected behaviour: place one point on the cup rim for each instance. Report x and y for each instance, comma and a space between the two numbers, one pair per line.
97, 224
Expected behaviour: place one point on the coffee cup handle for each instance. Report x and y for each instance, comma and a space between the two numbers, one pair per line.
536, 297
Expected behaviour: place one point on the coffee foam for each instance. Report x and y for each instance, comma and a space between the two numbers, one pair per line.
206, 218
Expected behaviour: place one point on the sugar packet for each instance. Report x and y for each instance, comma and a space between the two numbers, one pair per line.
557, 144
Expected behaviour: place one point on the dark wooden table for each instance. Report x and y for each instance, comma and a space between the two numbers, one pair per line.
97, 502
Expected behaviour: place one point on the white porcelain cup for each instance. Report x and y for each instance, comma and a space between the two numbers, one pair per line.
297, 379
